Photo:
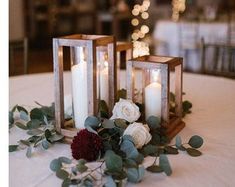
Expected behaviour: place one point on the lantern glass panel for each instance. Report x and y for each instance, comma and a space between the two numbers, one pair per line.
102, 76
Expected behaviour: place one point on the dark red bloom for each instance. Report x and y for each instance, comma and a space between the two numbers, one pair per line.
86, 145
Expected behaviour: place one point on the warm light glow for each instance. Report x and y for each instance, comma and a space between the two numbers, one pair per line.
144, 29
178, 6
145, 15
135, 12
135, 22
155, 75
140, 48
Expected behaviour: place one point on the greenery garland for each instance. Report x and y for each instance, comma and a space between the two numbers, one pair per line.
120, 160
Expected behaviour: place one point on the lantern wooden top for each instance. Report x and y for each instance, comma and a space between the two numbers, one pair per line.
151, 61
123, 46
83, 40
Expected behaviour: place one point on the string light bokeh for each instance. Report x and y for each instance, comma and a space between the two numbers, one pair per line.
178, 6
140, 13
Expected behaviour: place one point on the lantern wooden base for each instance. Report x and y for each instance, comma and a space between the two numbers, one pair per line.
173, 127
69, 133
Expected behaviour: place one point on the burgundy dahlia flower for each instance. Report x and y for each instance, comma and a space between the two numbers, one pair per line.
86, 145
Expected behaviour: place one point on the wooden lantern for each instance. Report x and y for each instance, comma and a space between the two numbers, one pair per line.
171, 124
127, 49
89, 45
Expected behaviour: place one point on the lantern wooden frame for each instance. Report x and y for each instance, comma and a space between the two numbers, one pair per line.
121, 47
90, 42
170, 126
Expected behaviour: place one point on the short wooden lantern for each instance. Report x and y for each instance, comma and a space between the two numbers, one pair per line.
121, 47
156, 72
127, 49
85, 77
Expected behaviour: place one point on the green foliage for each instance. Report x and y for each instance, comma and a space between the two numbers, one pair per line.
113, 162
195, 141
165, 165
55, 165
135, 175
121, 94
21, 126
62, 174
13, 148
103, 109
193, 152
154, 169
92, 123
129, 148
153, 122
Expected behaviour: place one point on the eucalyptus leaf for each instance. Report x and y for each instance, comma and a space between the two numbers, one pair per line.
92, 121
33, 124
129, 148
187, 105
37, 114
132, 175
45, 144
29, 152
14, 109
139, 159
171, 150
108, 124
47, 134
193, 152
65, 160
55, 138
195, 141
178, 142
153, 122
66, 182
156, 139
24, 116
121, 123
21, 126
103, 109
129, 163
35, 132
149, 150
55, 165
154, 169
110, 182
62, 174
135, 175
25, 142
165, 165
113, 161
20, 108
13, 148
11, 119
82, 161
128, 137
81, 168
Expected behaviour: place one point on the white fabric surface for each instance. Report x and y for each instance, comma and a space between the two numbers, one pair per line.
167, 32
213, 118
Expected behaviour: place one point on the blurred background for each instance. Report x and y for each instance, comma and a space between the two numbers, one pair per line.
202, 31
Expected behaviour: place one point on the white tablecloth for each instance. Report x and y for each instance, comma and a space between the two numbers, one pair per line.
213, 118
167, 32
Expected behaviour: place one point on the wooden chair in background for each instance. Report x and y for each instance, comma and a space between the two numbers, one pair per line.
17, 34
188, 39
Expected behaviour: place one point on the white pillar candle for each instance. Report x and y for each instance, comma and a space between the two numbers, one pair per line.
103, 83
153, 99
79, 91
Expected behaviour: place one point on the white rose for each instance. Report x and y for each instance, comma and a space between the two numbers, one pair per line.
126, 109
139, 133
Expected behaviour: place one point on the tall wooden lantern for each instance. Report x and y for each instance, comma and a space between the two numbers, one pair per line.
87, 78
156, 83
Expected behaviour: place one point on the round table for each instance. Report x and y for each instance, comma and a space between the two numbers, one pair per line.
213, 118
